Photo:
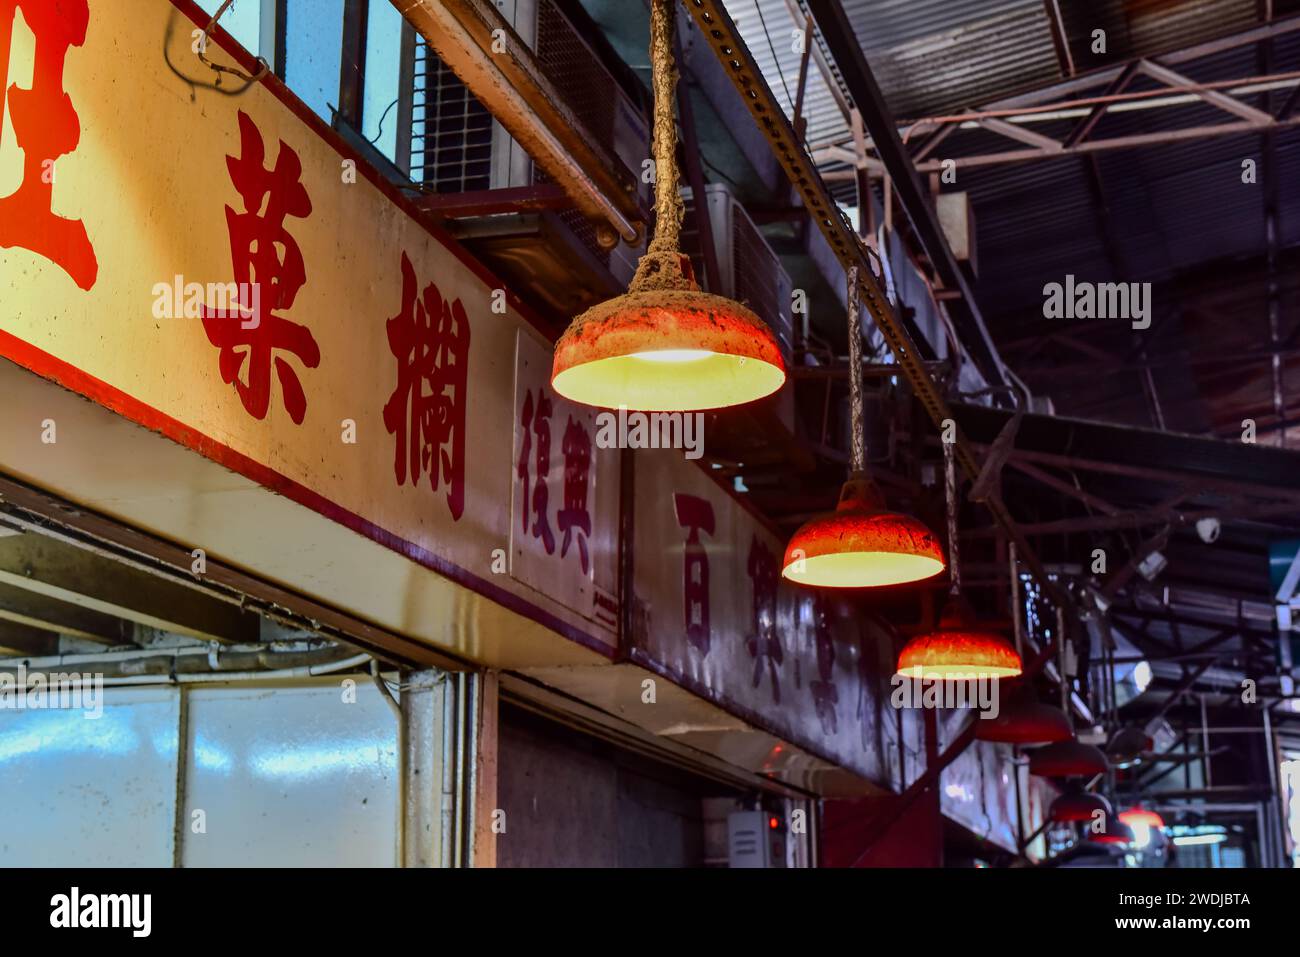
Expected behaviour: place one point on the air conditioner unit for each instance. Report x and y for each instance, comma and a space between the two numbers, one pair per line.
750, 270
457, 146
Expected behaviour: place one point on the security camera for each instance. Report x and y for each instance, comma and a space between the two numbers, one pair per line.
1208, 529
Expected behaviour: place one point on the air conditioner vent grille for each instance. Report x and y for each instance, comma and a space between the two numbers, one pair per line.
451, 143
575, 71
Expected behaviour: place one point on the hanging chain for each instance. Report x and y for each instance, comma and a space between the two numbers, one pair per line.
858, 462
661, 266
950, 489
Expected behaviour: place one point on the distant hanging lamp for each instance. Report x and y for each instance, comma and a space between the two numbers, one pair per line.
1115, 832
1067, 759
665, 345
1128, 747
1026, 721
960, 648
1074, 806
860, 544
1138, 816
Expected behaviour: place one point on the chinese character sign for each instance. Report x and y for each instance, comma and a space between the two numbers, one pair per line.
695, 515
541, 503
256, 237
429, 337
46, 127
533, 467
764, 641
575, 518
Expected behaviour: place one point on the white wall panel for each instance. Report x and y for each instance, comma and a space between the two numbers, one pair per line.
291, 776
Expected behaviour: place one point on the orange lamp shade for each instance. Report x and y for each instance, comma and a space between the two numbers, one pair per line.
1136, 817
1078, 806
1066, 759
1026, 722
1116, 833
667, 350
959, 649
860, 545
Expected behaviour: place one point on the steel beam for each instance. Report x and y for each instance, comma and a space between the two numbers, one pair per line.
63, 573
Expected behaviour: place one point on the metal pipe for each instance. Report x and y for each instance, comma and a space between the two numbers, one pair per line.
308, 671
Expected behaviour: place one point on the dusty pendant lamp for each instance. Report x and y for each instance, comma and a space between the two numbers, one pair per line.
1026, 721
665, 345
1067, 759
1116, 833
1126, 749
1075, 806
860, 544
1139, 817
960, 648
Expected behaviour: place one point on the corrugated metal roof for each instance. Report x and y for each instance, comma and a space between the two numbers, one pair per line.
1171, 209
939, 56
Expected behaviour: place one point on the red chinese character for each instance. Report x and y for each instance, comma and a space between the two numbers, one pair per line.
429, 337
574, 519
696, 515
764, 643
525, 452
255, 238
46, 127
542, 463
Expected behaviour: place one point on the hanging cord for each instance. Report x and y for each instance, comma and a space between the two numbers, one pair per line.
858, 462
950, 489
661, 266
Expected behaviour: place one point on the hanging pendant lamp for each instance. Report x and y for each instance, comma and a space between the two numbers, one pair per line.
1141, 822
1128, 747
860, 544
1138, 816
960, 648
1073, 806
1026, 721
665, 345
1067, 759
1116, 832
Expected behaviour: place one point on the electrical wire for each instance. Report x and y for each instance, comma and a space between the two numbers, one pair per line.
776, 62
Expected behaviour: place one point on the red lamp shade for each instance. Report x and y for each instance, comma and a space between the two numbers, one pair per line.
1066, 759
959, 649
1078, 806
1025, 721
1136, 817
666, 350
1126, 748
1116, 832
860, 545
